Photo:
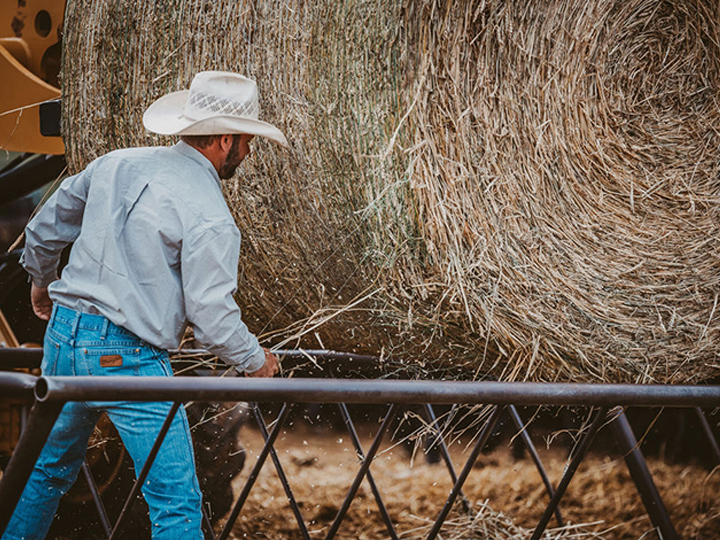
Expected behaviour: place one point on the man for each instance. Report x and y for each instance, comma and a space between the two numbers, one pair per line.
155, 250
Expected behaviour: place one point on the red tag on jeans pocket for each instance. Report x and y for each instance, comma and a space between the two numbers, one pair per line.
113, 360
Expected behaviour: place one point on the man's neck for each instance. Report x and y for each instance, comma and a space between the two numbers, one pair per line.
212, 153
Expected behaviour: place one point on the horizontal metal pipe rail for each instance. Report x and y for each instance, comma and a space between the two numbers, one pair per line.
31, 357
370, 391
52, 392
17, 386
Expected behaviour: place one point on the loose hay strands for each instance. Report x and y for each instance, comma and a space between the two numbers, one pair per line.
488, 524
533, 187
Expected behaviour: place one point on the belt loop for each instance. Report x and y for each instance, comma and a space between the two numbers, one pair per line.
52, 315
73, 332
104, 331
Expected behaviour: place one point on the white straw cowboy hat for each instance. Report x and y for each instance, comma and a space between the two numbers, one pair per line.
218, 103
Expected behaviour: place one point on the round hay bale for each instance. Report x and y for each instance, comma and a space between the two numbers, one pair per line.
508, 189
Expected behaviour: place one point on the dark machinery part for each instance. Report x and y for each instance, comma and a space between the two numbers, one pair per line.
50, 118
28, 173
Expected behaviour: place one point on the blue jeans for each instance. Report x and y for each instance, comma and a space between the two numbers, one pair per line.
79, 344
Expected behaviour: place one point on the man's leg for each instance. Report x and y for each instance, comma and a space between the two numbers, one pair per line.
171, 488
54, 473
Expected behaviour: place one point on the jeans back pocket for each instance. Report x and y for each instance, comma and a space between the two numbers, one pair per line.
51, 357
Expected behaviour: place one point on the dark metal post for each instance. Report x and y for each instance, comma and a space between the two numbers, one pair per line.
92, 486
535, 457
361, 473
482, 439
439, 441
570, 472
39, 425
708, 433
209, 534
643, 479
281, 473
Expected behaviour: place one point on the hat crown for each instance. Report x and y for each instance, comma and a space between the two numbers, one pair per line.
217, 93
217, 103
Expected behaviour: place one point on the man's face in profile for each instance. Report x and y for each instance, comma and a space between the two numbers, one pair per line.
239, 150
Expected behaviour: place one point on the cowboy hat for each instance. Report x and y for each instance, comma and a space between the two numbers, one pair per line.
217, 103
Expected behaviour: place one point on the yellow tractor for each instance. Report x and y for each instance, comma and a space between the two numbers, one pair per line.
32, 149
30, 51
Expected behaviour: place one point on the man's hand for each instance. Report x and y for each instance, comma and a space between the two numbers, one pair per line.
270, 367
41, 303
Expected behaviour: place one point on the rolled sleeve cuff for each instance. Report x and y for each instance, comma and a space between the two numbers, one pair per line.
44, 283
255, 361
36, 277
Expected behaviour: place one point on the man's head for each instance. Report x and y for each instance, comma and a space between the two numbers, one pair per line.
217, 103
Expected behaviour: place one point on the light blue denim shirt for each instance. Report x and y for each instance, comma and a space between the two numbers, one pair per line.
155, 249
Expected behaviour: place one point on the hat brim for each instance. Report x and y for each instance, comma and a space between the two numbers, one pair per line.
165, 117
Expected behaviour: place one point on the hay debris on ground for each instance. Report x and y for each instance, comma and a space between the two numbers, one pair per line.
507, 496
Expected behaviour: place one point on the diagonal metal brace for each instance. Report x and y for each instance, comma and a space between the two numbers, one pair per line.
439, 442
39, 425
361, 473
281, 473
145, 470
235, 512
535, 457
570, 472
376, 492
707, 430
482, 439
635, 461
97, 500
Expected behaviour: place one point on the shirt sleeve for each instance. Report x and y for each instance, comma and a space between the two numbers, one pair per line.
209, 275
56, 225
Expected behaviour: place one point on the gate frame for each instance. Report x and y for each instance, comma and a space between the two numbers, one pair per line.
51, 393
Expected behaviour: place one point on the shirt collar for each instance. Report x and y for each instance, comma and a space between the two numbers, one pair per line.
188, 151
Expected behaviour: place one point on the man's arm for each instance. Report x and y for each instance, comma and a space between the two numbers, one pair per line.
56, 225
209, 274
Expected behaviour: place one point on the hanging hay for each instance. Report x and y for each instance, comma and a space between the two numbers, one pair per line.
518, 190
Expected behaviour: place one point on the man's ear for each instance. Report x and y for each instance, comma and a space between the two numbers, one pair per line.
226, 142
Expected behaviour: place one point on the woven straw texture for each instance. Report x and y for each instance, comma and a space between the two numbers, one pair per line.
522, 190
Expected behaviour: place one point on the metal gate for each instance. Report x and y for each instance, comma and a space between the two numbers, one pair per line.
47, 395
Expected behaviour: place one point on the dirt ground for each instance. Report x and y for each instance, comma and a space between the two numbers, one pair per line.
601, 499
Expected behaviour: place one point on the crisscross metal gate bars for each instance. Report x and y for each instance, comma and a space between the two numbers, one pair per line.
50, 394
